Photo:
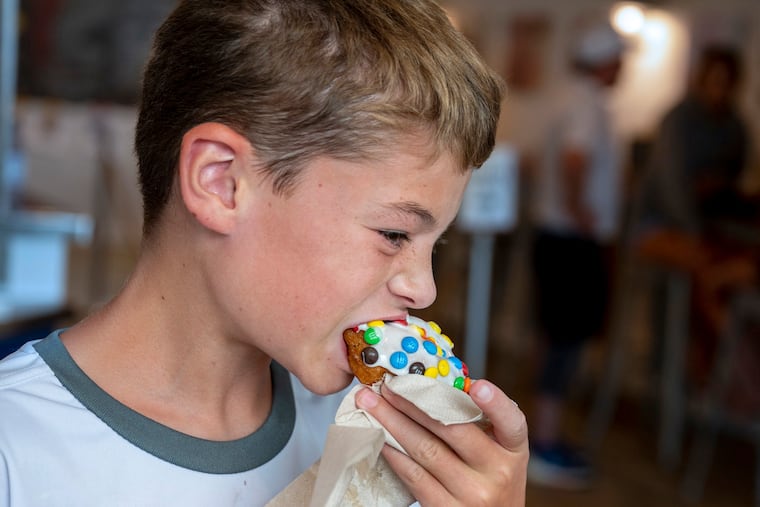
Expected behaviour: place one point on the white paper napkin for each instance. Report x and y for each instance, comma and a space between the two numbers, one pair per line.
351, 471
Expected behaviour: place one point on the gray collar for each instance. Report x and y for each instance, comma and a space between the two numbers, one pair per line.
198, 454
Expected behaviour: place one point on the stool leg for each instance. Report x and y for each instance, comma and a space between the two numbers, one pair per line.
606, 396
609, 387
701, 456
672, 399
756, 433
703, 447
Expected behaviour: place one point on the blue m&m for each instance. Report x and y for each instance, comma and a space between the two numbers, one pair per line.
410, 344
399, 360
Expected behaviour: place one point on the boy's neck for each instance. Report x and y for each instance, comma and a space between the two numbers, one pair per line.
191, 375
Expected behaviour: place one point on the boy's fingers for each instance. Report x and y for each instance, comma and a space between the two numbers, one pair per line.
505, 426
489, 466
510, 427
426, 449
420, 482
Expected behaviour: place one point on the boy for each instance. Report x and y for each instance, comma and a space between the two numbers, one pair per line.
298, 161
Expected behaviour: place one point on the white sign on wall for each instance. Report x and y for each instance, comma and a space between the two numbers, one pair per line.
490, 200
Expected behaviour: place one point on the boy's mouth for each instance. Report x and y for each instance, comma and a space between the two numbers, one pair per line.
402, 318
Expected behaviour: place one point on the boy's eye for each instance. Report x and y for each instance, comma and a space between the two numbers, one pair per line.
395, 238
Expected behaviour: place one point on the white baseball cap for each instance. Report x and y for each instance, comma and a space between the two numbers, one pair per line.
599, 44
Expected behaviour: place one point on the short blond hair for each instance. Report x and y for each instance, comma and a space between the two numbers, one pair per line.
304, 78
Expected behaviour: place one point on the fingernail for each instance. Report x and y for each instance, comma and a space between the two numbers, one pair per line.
366, 398
482, 391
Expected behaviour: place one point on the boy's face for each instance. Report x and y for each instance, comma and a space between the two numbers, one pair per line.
352, 243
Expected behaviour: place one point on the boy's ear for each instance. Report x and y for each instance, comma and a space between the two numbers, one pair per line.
211, 162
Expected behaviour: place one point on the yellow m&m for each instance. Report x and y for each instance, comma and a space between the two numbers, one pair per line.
431, 372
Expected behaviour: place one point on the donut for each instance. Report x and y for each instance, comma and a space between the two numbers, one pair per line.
401, 347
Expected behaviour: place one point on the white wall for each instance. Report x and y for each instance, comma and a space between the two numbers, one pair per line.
69, 148
79, 159
656, 69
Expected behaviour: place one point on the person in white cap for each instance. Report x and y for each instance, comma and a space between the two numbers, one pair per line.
576, 212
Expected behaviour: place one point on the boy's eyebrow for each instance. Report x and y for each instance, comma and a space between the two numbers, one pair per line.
412, 208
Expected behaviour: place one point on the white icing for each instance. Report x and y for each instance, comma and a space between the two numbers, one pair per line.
393, 333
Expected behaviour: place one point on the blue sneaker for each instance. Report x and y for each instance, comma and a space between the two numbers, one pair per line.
558, 466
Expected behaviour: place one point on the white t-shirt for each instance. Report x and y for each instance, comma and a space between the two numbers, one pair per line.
581, 122
65, 442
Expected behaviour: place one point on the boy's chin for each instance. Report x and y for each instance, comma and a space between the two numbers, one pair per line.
324, 383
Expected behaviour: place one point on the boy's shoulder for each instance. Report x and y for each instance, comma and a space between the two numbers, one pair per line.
28, 390
23, 368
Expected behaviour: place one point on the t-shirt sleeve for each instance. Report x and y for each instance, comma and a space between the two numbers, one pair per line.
5, 482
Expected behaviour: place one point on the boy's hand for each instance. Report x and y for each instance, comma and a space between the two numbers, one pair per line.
458, 464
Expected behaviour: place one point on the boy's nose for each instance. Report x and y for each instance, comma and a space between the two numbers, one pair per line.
414, 283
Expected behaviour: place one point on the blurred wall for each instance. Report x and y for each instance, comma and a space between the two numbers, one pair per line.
84, 50
657, 65
80, 62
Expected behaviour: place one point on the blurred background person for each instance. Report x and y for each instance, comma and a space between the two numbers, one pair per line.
694, 216
693, 185
700, 151
577, 208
